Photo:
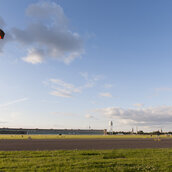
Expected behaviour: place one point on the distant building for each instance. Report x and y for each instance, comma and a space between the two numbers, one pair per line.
51, 131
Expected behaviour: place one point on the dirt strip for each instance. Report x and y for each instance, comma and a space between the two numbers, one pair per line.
82, 144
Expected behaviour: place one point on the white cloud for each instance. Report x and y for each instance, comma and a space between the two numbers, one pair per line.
65, 85
34, 57
13, 102
63, 89
105, 95
69, 58
139, 105
61, 93
49, 33
149, 116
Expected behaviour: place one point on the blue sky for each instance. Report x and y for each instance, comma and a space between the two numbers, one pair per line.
71, 64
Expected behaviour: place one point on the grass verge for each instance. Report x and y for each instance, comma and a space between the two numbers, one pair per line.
6, 136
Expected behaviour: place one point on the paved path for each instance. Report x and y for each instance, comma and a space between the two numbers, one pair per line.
83, 144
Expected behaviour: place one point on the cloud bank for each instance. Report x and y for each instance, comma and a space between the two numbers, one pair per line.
48, 35
146, 116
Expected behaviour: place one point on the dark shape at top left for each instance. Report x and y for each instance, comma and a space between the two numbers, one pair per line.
2, 34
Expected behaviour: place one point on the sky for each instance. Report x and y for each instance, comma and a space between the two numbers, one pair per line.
80, 64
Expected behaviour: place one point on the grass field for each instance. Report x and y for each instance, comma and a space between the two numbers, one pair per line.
3, 136
109, 160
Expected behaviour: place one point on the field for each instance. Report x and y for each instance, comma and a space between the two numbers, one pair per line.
95, 160
8, 136
85, 153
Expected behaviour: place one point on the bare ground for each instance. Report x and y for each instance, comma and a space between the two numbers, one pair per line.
82, 144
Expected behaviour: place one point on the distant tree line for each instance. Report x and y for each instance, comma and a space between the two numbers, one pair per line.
139, 132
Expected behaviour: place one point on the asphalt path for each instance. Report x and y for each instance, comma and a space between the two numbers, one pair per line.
82, 144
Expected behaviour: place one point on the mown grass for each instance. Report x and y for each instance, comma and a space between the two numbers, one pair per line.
93, 161
3, 136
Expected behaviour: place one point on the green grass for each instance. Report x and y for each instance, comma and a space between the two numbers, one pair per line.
105, 160
3, 136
